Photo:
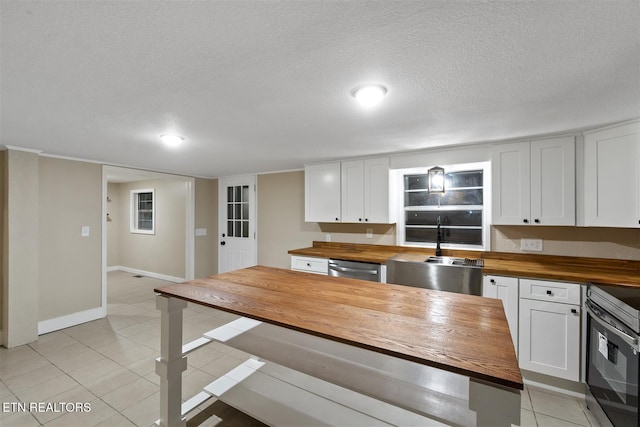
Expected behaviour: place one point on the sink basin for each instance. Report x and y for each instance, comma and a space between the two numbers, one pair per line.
441, 273
445, 260
438, 260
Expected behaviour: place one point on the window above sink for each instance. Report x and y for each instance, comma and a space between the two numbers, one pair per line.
462, 209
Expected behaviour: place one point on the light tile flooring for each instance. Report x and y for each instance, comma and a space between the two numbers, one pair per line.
109, 363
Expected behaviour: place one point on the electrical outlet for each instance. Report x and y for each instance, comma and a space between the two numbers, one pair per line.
369, 233
327, 237
85, 231
532, 245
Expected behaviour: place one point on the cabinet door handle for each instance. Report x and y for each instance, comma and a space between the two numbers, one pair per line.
337, 219
574, 311
492, 281
359, 219
549, 293
537, 221
526, 221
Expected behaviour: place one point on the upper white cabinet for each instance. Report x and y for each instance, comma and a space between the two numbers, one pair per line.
350, 191
612, 176
322, 192
365, 191
534, 182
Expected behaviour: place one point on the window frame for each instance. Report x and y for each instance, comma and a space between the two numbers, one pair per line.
135, 210
486, 205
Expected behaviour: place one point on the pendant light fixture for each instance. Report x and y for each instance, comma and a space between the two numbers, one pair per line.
436, 180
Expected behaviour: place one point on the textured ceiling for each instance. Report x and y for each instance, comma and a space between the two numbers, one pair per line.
265, 86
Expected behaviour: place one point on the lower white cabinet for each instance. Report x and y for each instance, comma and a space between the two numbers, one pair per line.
549, 333
505, 289
310, 264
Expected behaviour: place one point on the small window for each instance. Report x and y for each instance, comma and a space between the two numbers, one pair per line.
143, 211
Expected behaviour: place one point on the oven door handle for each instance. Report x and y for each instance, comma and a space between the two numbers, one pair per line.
633, 342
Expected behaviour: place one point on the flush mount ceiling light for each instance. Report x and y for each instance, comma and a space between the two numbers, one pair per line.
369, 95
172, 140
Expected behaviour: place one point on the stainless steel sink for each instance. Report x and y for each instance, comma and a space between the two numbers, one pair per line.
445, 260
451, 274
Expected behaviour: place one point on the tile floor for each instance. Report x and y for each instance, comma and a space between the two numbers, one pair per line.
109, 363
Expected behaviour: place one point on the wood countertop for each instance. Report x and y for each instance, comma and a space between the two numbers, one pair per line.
465, 334
551, 267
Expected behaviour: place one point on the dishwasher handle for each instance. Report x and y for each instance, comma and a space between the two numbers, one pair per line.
336, 267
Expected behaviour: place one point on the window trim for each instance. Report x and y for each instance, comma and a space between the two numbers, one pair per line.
134, 211
486, 207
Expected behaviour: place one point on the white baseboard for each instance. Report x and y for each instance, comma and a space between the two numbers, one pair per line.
72, 319
147, 274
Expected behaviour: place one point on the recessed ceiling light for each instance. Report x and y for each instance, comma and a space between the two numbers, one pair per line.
369, 95
172, 140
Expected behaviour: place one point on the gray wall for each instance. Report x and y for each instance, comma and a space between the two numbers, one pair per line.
281, 227
20, 249
162, 252
3, 178
70, 265
206, 216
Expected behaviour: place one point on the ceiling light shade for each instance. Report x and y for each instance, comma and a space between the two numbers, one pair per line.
171, 140
369, 95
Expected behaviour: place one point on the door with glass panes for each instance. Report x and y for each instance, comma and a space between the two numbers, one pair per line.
237, 223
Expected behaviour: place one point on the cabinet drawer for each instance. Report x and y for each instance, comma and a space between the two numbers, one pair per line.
543, 290
310, 264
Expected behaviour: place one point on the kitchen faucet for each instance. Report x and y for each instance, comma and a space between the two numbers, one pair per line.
438, 240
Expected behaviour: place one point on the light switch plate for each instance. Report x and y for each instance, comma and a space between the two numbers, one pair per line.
85, 231
531, 245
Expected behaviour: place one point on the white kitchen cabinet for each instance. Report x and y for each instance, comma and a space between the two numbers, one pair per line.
505, 289
356, 191
534, 182
310, 264
612, 176
549, 331
322, 192
365, 191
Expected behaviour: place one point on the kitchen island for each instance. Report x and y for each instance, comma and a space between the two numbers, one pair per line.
424, 351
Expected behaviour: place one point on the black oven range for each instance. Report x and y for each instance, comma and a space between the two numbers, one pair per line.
613, 360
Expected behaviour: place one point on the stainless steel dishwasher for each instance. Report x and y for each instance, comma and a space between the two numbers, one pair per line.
354, 270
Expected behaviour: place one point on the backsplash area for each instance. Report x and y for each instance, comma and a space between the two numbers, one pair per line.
593, 242
596, 242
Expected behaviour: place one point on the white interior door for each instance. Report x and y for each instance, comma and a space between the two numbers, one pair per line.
237, 223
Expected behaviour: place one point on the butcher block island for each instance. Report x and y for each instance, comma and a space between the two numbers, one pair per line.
354, 352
